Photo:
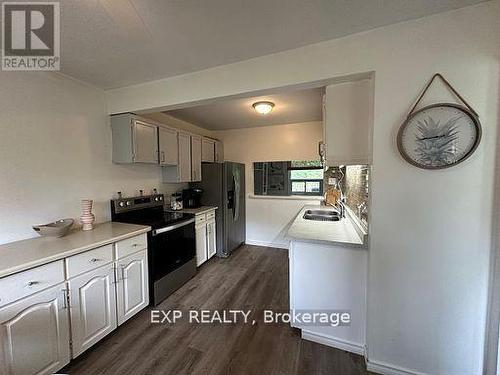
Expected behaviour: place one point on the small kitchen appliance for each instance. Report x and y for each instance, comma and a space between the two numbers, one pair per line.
192, 197
176, 202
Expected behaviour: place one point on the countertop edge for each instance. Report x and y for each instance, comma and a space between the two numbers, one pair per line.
66, 254
360, 246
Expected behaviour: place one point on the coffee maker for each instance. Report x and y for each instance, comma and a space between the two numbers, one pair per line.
192, 197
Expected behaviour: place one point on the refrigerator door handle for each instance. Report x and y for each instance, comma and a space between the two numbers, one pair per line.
236, 209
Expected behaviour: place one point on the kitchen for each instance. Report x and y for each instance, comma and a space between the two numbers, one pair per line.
385, 254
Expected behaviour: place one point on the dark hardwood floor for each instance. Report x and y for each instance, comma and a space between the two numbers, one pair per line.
252, 278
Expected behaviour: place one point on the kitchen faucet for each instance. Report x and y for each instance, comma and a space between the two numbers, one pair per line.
362, 207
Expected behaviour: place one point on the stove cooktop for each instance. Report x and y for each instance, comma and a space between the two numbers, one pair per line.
145, 211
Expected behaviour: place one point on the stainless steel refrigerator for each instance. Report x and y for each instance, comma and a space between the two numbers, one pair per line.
223, 186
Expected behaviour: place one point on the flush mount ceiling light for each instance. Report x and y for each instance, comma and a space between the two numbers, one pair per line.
263, 107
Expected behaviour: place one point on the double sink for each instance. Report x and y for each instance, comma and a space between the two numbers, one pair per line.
322, 215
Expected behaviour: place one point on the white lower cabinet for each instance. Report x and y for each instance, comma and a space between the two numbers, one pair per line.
34, 334
206, 237
327, 277
201, 244
46, 318
132, 290
93, 307
211, 239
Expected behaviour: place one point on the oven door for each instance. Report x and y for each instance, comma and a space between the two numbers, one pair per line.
171, 247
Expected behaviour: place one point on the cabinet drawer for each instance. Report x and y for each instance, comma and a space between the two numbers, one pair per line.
23, 284
200, 219
131, 245
211, 215
89, 260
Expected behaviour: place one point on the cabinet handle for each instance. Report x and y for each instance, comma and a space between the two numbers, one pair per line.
93, 260
163, 156
135, 245
123, 272
66, 303
115, 275
32, 283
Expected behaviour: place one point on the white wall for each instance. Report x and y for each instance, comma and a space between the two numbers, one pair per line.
55, 149
431, 230
268, 218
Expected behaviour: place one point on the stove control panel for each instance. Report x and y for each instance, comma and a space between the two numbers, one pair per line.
135, 203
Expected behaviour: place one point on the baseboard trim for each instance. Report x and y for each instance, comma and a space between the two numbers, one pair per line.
390, 369
277, 245
335, 343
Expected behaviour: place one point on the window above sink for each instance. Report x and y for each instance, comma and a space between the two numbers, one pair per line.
288, 178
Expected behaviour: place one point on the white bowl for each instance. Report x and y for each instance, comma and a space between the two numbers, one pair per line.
58, 228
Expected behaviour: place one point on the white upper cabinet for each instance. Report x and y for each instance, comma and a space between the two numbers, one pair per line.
195, 158
139, 140
34, 333
145, 143
219, 152
182, 171
168, 146
348, 123
208, 150
184, 158
134, 140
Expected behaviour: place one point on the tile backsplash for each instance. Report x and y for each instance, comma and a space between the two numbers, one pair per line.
354, 181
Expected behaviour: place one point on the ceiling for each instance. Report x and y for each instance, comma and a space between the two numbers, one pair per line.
289, 107
115, 43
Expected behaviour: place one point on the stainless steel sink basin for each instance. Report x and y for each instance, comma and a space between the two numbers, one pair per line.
322, 215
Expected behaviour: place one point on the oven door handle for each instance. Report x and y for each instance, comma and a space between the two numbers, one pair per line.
171, 227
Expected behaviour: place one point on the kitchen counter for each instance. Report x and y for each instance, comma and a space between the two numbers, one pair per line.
341, 232
22, 255
195, 211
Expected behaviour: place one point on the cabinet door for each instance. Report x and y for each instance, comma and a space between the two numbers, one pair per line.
168, 145
196, 158
132, 288
145, 141
201, 244
348, 123
219, 152
34, 334
93, 307
208, 150
184, 167
211, 239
